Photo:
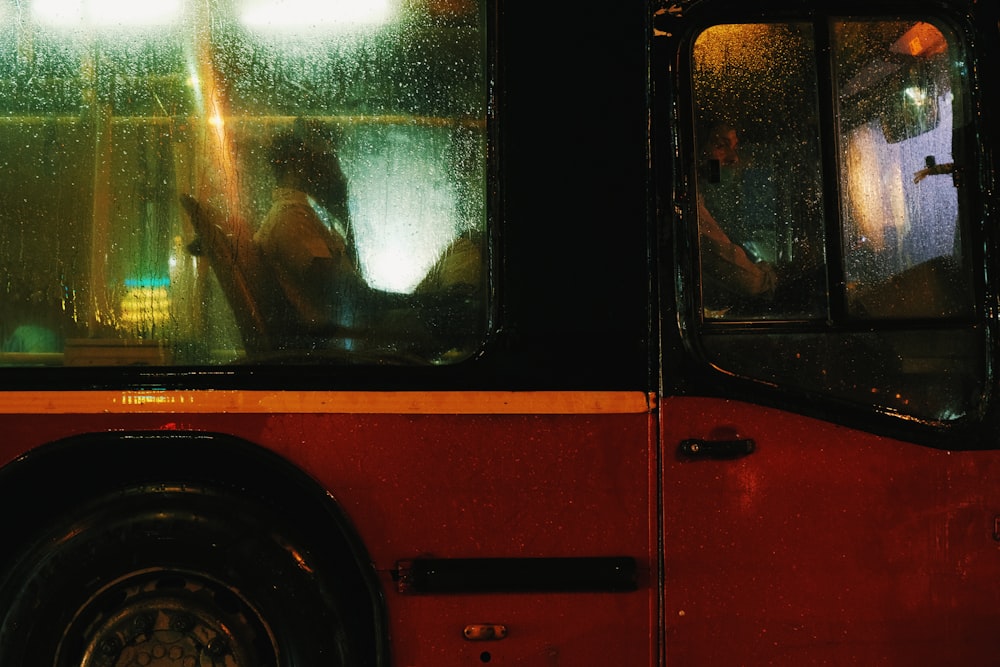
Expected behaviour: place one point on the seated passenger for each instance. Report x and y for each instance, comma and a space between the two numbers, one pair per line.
305, 236
306, 240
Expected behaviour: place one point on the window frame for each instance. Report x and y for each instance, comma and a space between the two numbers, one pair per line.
701, 372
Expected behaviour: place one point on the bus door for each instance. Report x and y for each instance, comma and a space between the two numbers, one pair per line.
826, 415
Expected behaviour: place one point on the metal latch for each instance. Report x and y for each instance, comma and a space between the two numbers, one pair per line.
699, 448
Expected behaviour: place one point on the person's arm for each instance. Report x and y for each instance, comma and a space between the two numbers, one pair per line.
934, 170
729, 263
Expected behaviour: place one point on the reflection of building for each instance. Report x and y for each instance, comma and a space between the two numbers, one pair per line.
145, 305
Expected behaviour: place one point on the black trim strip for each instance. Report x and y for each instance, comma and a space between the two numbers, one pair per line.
616, 574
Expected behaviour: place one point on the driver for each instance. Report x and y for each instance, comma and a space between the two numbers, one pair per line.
724, 262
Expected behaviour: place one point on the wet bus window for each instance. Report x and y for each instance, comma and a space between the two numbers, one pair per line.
881, 314
903, 250
198, 183
760, 219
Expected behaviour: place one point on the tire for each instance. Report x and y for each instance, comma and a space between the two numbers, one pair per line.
178, 577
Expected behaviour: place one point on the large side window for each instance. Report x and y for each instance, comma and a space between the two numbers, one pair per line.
832, 213
197, 183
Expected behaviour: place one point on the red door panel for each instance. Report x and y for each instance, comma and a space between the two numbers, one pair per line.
826, 545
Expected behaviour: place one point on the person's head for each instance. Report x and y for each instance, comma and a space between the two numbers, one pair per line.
311, 167
719, 142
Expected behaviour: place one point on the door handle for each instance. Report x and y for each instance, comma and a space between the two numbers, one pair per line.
700, 448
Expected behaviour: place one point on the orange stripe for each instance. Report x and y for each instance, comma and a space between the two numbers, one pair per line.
343, 402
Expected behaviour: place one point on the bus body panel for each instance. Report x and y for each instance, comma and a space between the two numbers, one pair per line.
826, 545
510, 486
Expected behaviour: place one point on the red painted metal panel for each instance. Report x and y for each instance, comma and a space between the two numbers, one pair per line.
486, 485
567, 629
826, 546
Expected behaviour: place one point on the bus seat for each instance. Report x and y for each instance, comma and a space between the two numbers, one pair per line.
241, 272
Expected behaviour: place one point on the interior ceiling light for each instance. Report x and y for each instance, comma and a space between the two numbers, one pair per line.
106, 12
284, 14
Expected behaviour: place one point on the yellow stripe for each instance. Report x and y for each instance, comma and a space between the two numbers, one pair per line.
314, 402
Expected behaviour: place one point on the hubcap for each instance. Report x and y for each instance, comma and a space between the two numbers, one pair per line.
166, 619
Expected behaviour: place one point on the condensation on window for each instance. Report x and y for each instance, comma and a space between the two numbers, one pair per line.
903, 251
760, 210
894, 173
137, 154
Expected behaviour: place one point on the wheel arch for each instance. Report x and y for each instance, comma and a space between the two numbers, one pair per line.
50, 480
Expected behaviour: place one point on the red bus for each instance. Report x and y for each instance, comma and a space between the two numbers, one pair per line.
458, 332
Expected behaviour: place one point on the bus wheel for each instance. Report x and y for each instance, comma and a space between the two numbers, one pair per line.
185, 577
168, 614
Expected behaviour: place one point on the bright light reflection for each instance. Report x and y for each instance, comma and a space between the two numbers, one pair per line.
917, 95
403, 202
106, 12
280, 14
